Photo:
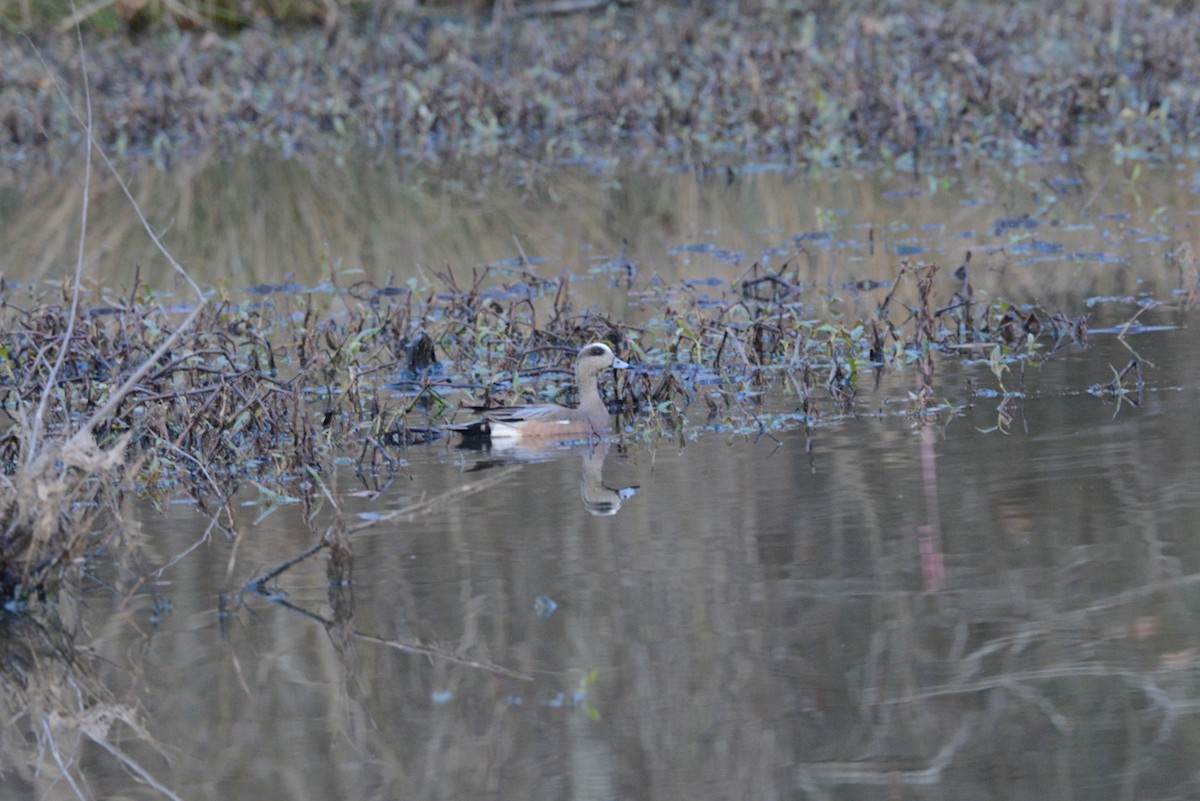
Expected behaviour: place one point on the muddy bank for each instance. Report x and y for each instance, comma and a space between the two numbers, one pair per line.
886, 82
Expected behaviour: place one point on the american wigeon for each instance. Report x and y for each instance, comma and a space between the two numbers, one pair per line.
549, 420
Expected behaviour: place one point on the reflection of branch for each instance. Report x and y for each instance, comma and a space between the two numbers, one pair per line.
408, 646
884, 773
258, 584
1146, 590
58, 758
1005, 681
132, 764
1125, 330
428, 650
48, 680
970, 663
431, 505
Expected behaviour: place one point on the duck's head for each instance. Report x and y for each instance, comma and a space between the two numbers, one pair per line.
596, 357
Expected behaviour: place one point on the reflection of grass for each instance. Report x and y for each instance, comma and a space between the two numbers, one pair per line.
53, 705
253, 220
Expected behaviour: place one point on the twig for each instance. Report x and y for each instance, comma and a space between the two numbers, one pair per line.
52, 379
119, 394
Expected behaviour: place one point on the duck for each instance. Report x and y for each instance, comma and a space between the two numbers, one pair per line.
549, 421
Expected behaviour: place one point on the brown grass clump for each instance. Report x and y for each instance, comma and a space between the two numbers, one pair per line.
49, 511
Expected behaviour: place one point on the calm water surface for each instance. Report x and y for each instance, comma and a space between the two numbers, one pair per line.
885, 610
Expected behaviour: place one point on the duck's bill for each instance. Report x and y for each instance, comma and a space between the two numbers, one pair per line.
620, 365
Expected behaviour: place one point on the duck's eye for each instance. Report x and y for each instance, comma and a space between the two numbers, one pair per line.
595, 350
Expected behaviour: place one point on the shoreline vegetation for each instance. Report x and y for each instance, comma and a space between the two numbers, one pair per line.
515, 85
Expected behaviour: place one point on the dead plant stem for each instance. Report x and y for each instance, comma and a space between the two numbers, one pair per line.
35, 432
133, 380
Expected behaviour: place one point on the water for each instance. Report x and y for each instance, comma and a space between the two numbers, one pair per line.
757, 619
924, 611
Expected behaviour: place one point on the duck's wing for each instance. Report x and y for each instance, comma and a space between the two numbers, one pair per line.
515, 415
505, 415
505, 421
547, 420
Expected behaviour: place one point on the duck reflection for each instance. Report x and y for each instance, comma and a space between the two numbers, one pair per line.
598, 498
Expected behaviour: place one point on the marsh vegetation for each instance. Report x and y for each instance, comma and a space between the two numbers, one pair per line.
718, 85
908, 295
